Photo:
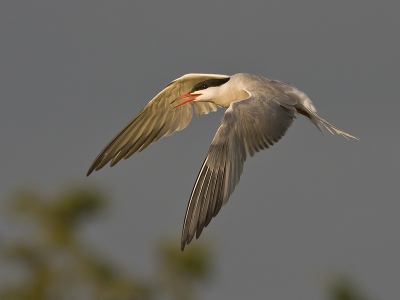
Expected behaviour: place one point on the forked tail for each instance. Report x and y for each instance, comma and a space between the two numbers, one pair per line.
317, 121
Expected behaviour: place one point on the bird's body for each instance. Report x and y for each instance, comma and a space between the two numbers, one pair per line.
260, 111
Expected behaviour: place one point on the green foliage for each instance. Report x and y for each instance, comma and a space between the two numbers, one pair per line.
342, 288
180, 272
58, 217
194, 262
58, 265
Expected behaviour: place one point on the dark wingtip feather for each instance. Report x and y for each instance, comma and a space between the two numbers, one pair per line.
183, 243
90, 171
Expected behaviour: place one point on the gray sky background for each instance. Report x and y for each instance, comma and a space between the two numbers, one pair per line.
73, 73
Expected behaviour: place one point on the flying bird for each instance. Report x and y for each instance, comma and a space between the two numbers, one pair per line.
259, 112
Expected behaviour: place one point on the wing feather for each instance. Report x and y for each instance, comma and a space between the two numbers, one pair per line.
158, 118
248, 126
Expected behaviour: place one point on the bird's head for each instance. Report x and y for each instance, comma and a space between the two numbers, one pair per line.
204, 91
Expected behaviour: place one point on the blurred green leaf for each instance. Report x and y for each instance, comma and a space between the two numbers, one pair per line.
58, 265
342, 288
194, 261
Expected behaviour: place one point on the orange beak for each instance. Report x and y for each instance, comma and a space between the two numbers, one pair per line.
188, 97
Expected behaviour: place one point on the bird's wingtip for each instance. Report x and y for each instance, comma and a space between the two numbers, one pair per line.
89, 171
183, 244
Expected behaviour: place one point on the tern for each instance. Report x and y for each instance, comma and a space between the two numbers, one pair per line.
259, 112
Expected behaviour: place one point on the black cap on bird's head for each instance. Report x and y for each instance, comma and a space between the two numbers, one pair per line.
195, 92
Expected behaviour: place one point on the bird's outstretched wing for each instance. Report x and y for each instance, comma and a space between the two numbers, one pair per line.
248, 126
160, 117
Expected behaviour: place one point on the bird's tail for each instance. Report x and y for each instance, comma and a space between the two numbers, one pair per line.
306, 108
317, 121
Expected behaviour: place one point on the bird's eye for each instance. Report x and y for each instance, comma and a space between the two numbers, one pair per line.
208, 84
